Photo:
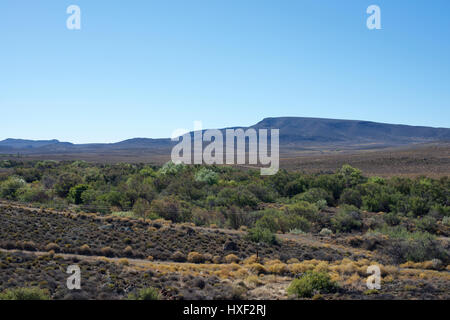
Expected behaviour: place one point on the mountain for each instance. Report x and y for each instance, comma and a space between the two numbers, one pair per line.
296, 133
332, 131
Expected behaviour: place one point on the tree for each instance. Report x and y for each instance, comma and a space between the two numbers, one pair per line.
141, 208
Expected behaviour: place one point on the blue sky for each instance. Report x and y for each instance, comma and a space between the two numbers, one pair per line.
146, 68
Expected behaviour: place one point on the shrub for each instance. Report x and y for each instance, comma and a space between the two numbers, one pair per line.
257, 268
25, 294
446, 221
35, 193
85, 249
347, 219
178, 256
206, 175
313, 195
391, 218
325, 232
128, 251
141, 208
351, 197
261, 235
350, 176
427, 224
303, 209
76, 192
231, 258
418, 206
417, 250
146, 294
275, 220
170, 168
107, 251
311, 283
52, 246
195, 257
321, 204
9, 188
29, 245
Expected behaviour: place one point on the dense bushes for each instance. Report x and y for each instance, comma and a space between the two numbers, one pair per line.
276, 220
227, 197
24, 294
311, 283
145, 294
347, 219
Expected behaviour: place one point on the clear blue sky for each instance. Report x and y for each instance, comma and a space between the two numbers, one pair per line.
145, 68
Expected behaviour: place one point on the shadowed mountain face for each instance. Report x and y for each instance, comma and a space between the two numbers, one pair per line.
295, 134
312, 131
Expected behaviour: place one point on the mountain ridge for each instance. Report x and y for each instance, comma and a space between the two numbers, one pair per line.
295, 132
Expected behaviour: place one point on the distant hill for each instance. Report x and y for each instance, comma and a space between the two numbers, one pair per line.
296, 133
346, 132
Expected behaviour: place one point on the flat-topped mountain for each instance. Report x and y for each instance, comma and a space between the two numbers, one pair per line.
295, 133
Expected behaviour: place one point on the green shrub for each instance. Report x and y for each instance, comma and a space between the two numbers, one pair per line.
206, 175
391, 218
427, 223
446, 221
9, 187
347, 219
311, 283
275, 220
352, 197
313, 195
76, 192
419, 206
261, 235
146, 294
418, 250
303, 209
141, 208
25, 294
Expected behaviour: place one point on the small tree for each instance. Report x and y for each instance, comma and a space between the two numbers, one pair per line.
141, 208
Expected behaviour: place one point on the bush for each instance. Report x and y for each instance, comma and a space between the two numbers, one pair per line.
195, 257
303, 209
311, 283
417, 250
275, 220
347, 219
391, 218
107, 251
146, 294
325, 232
178, 256
418, 206
76, 192
206, 175
9, 188
261, 235
446, 221
427, 224
321, 204
351, 197
141, 208
231, 258
313, 195
25, 294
